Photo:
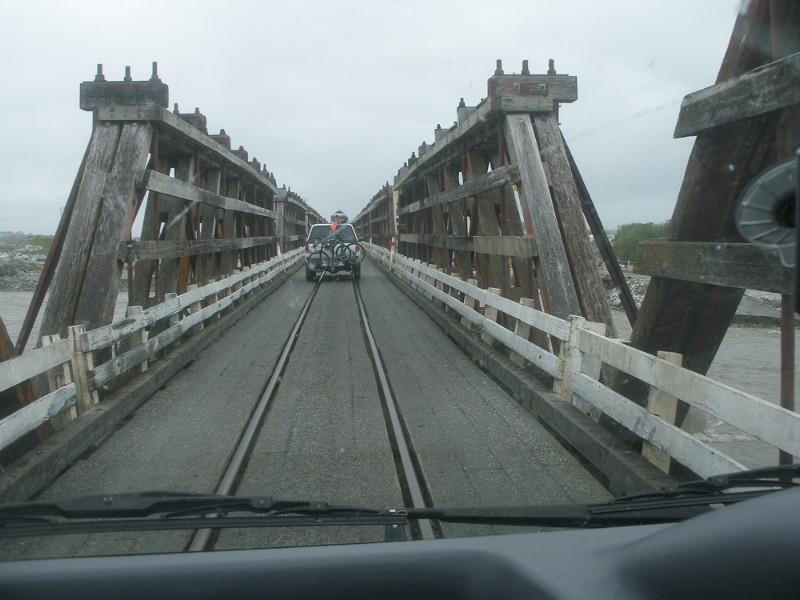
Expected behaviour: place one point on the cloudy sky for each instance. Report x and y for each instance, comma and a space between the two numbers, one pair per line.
334, 96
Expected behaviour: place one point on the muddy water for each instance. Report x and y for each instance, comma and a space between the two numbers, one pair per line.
14, 306
749, 360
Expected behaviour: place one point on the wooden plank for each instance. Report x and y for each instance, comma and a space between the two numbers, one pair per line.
189, 135
499, 245
499, 177
552, 266
664, 406
569, 212
496, 274
65, 290
765, 89
744, 266
206, 266
37, 413
163, 184
618, 279
686, 449
51, 262
765, 420
118, 207
447, 143
175, 209
18, 370
157, 250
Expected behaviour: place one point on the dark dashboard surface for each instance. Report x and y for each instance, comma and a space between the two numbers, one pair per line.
743, 551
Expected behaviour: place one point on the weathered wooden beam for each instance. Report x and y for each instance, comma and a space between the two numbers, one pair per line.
743, 266
602, 242
163, 184
134, 251
490, 181
582, 262
766, 89
174, 125
67, 283
497, 245
552, 265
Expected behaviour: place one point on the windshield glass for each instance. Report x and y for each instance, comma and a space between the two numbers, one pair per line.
574, 277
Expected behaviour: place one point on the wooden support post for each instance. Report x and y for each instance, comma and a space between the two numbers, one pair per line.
490, 313
664, 406
136, 339
195, 308
582, 263
572, 359
552, 264
439, 284
522, 330
82, 365
175, 317
213, 299
469, 302
453, 292
56, 378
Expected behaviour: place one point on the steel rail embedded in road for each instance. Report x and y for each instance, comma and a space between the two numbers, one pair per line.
201, 538
406, 470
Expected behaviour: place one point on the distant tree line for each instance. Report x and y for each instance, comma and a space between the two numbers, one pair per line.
626, 240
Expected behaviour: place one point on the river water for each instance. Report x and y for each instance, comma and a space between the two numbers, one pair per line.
748, 359
14, 306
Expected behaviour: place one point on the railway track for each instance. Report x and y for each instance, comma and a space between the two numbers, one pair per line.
409, 478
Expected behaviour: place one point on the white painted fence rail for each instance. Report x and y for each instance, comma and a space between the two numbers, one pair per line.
576, 371
131, 349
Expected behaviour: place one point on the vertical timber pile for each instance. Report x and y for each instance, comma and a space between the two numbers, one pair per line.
495, 198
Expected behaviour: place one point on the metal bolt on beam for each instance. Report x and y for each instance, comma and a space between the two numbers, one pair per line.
154, 76
128, 74
99, 76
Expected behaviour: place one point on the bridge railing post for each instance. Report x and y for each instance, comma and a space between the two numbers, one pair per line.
490, 312
82, 365
664, 406
56, 378
470, 303
572, 360
135, 339
522, 330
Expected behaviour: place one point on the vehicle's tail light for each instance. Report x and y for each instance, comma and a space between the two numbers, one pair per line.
358, 248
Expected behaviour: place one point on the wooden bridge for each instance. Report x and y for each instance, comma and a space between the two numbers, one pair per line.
482, 303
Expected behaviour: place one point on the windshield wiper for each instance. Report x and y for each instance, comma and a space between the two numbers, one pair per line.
176, 510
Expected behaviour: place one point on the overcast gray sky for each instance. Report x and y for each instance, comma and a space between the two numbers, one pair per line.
334, 96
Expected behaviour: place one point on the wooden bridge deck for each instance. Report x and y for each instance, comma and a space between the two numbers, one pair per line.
324, 437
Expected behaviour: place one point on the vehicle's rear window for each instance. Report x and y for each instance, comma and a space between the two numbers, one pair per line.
321, 232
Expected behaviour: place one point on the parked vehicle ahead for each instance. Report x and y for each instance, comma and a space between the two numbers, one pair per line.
333, 247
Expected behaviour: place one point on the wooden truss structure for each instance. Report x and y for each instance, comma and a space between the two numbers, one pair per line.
498, 198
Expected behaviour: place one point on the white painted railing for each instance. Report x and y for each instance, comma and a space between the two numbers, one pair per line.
69, 363
576, 370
